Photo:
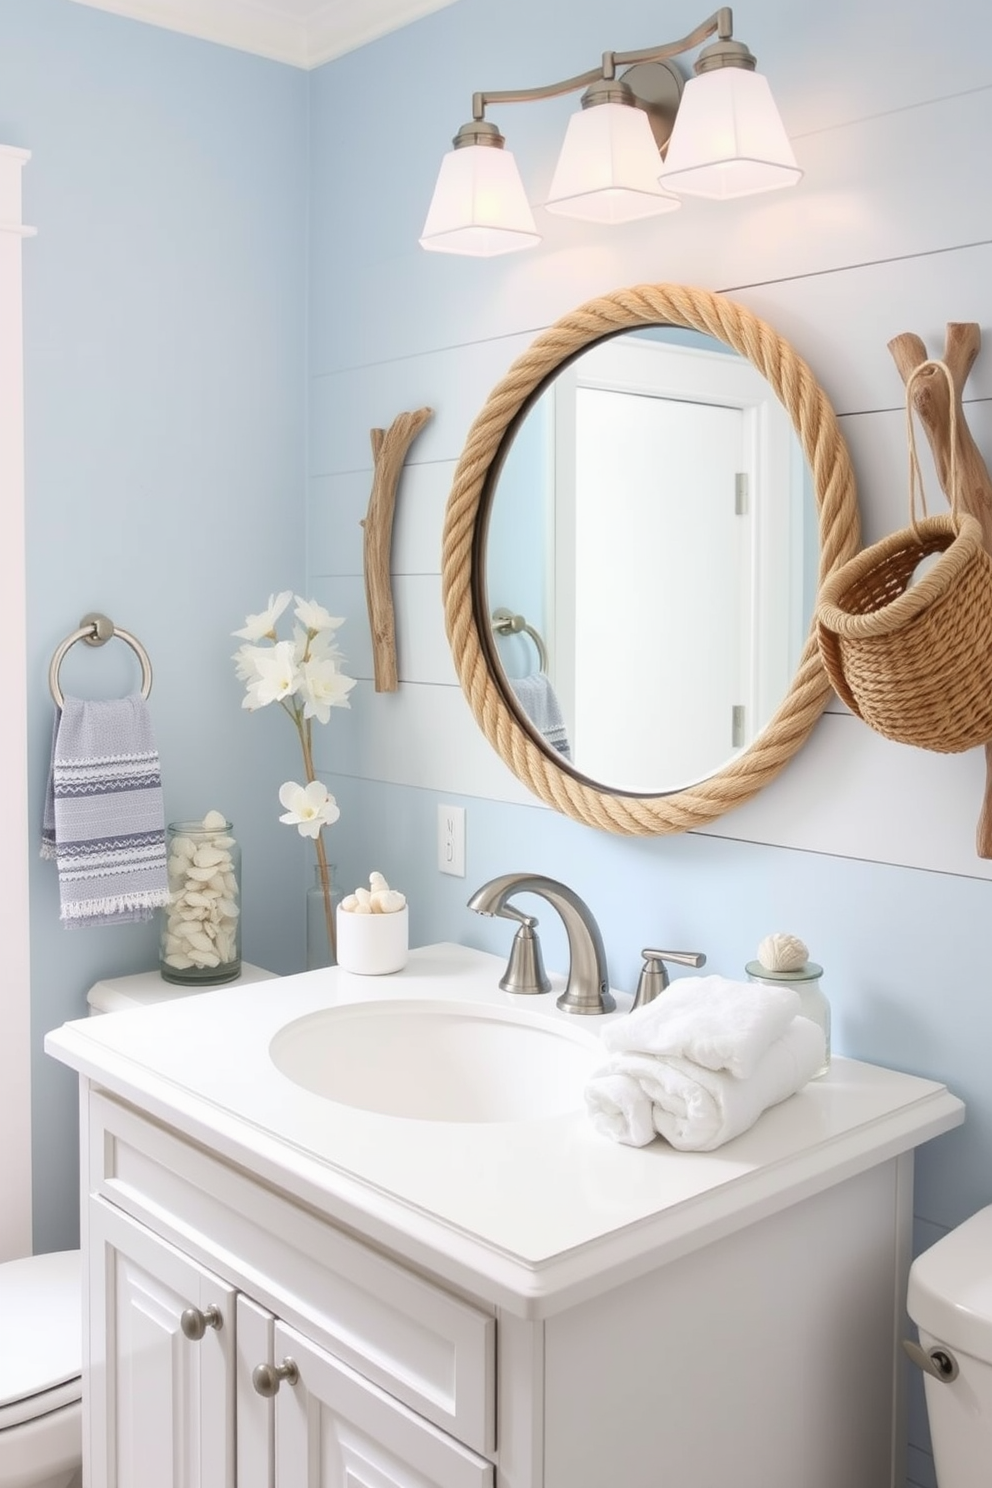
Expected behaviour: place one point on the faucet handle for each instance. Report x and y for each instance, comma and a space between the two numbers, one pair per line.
654, 973
525, 969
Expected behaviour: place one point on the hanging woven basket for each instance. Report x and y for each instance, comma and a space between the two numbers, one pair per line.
914, 659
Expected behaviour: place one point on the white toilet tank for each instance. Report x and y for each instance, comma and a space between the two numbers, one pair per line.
950, 1301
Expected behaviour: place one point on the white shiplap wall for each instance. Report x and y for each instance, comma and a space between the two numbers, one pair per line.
886, 802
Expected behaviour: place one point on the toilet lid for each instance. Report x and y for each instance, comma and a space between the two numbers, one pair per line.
40, 1332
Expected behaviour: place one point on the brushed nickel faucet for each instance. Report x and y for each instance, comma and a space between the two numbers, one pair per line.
588, 987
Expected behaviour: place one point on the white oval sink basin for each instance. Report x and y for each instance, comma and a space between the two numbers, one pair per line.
439, 1061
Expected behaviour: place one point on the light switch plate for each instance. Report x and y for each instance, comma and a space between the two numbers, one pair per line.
451, 840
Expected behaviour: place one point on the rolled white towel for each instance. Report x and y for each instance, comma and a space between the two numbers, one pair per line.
620, 1108
714, 1022
697, 1109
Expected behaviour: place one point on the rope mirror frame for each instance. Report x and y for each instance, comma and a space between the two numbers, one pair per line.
816, 426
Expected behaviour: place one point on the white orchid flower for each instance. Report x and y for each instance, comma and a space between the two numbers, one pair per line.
245, 662
314, 616
258, 627
322, 687
276, 676
308, 807
309, 645
324, 647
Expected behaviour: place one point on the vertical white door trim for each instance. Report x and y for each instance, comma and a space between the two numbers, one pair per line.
15, 995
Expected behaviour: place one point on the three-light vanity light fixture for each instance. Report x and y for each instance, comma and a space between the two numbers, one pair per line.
643, 140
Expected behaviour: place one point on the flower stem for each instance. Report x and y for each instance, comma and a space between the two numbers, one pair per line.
303, 728
325, 884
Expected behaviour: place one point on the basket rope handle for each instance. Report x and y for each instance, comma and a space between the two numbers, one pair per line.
917, 493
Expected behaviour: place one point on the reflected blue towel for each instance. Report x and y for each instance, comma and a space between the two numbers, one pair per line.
104, 820
538, 700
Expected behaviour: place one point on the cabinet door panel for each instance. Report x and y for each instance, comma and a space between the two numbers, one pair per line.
256, 1415
335, 1430
167, 1400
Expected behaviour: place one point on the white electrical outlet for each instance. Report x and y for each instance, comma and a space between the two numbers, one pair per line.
451, 840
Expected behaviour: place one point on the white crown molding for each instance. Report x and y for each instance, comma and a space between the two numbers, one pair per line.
303, 33
340, 26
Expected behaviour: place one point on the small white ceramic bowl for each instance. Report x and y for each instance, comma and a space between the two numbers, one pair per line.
373, 944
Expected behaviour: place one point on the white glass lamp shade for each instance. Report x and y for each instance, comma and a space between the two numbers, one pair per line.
479, 207
608, 167
728, 138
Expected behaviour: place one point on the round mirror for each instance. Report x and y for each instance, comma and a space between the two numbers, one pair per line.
633, 544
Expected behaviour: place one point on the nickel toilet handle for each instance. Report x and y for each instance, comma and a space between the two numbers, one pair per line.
937, 1362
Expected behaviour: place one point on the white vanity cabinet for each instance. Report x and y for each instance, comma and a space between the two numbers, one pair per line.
516, 1304
174, 1346
175, 1407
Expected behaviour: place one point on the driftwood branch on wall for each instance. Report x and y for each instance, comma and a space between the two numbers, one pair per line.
389, 451
931, 400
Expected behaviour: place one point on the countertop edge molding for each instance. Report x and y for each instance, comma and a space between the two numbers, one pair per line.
526, 1287
531, 1291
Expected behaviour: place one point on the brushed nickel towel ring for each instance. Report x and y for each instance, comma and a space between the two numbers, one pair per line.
505, 622
96, 630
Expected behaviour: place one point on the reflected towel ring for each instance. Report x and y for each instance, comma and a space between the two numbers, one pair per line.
96, 630
505, 622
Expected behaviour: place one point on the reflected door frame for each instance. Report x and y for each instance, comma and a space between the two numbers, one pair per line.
771, 581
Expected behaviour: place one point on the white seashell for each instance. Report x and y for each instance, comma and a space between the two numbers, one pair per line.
377, 883
364, 897
361, 908
184, 847
781, 952
180, 962
349, 902
208, 857
228, 909
388, 902
214, 821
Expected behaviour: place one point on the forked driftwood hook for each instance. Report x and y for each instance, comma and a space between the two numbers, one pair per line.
931, 400
389, 450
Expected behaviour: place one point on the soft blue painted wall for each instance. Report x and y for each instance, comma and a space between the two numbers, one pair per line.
906, 951
164, 362
171, 298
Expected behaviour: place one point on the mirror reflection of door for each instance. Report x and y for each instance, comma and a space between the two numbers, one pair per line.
659, 575
652, 519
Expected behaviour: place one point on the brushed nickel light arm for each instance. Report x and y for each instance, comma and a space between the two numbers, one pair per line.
721, 22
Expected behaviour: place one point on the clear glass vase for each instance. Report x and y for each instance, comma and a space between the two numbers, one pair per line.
321, 933
200, 943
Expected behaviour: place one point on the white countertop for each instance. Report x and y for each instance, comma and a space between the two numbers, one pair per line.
536, 1208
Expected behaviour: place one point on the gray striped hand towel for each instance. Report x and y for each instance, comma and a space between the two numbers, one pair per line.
104, 821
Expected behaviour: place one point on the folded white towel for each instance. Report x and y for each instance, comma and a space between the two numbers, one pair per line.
694, 1108
620, 1108
716, 1023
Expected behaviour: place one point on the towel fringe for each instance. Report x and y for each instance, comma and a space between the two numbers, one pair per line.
116, 904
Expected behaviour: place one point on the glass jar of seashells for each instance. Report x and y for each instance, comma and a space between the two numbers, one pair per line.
201, 926
784, 958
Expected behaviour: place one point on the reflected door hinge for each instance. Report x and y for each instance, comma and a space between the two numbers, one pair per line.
737, 726
740, 494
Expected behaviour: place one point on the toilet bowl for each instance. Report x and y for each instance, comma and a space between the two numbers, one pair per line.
950, 1301
40, 1363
